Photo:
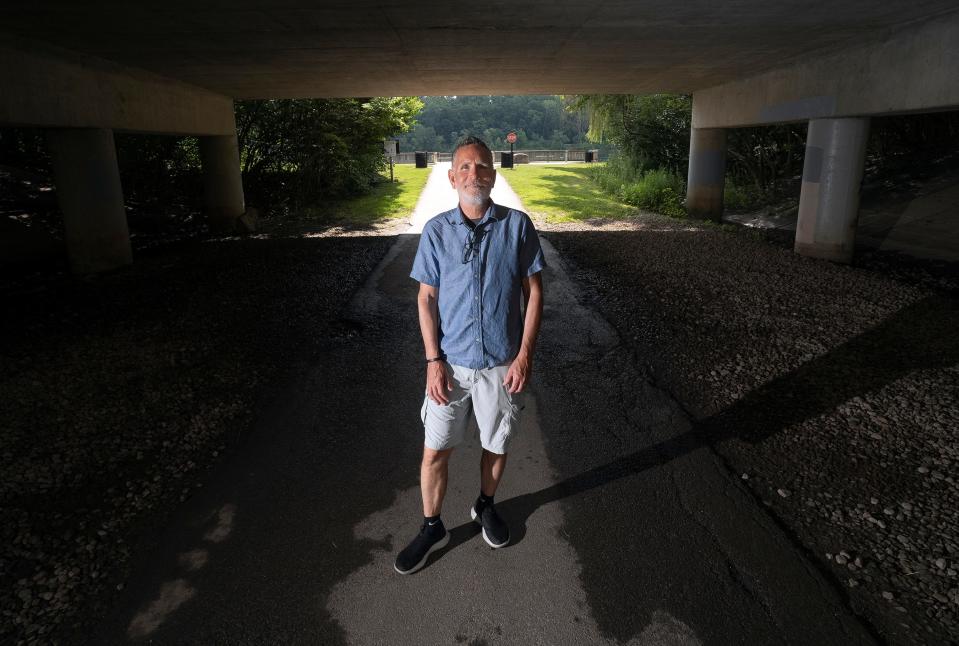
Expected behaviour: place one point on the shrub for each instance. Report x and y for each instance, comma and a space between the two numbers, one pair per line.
657, 190
738, 197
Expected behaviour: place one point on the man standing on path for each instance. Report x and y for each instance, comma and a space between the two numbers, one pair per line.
475, 264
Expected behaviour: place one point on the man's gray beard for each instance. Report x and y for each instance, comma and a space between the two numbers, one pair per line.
477, 198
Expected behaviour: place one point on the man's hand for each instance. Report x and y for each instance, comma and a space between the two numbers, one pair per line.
438, 382
518, 374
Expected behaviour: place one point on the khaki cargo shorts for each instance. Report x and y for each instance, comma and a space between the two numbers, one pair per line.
480, 392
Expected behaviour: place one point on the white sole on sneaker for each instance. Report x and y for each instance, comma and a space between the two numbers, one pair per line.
485, 537
438, 545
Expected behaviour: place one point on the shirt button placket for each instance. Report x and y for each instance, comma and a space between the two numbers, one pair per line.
478, 318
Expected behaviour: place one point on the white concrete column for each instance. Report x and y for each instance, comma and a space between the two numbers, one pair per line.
829, 200
707, 173
90, 196
223, 186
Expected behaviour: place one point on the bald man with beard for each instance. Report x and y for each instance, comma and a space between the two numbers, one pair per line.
480, 304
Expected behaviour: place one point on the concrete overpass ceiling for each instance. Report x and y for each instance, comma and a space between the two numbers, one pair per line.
294, 48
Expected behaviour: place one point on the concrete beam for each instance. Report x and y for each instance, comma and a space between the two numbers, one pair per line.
829, 198
913, 69
45, 86
88, 190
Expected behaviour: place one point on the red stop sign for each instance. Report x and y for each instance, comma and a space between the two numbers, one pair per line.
511, 137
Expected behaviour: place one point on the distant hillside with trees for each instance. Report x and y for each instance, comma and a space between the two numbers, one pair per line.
540, 122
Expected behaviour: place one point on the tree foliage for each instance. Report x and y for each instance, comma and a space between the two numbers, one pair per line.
763, 163
766, 159
302, 151
292, 153
893, 140
541, 121
159, 169
651, 131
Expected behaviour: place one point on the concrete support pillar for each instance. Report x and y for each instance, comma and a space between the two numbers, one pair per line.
223, 186
88, 189
829, 201
707, 173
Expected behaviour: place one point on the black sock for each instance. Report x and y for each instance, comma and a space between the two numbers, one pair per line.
433, 522
483, 501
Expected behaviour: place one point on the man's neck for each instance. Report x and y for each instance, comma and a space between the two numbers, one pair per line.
475, 212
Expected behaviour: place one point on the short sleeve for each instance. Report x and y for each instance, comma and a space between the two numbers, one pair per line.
531, 253
426, 266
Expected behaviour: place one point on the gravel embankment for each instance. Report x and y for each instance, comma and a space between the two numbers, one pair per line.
833, 390
117, 392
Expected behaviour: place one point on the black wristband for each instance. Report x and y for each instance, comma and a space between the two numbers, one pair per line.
442, 357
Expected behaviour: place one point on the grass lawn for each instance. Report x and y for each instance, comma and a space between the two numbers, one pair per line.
385, 201
563, 193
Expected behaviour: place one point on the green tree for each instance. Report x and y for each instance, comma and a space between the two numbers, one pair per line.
425, 139
492, 117
301, 151
651, 131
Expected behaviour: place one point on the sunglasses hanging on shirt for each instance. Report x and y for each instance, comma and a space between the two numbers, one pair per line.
473, 240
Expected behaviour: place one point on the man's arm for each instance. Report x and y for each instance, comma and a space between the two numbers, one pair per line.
522, 367
438, 382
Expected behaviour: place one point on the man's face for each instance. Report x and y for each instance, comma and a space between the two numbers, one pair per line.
473, 175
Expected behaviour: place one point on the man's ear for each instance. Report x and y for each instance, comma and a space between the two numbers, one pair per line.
450, 175
493, 183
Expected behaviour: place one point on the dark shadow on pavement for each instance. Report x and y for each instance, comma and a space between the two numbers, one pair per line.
920, 336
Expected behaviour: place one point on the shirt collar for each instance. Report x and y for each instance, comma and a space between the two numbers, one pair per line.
456, 216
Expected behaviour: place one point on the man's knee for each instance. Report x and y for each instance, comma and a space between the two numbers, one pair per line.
434, 458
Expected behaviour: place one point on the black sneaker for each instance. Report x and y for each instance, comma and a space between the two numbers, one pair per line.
414, 555
495, 531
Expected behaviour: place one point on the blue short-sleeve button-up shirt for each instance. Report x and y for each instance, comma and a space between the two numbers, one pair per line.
479, 275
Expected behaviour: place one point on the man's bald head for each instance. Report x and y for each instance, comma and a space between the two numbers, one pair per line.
473, 141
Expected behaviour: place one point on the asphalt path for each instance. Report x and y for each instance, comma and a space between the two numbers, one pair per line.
627, 528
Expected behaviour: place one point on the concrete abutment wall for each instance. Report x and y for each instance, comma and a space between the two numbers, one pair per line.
81, 101
913, 69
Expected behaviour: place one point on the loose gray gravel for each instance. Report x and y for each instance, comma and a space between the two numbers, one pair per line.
832, 390
117, 392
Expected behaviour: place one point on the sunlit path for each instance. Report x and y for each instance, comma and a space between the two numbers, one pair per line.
439, 196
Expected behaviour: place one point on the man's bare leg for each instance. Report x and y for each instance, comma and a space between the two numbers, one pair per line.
434, 473
492, 466
495, 531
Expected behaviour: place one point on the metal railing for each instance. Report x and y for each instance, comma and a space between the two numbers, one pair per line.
532, 156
